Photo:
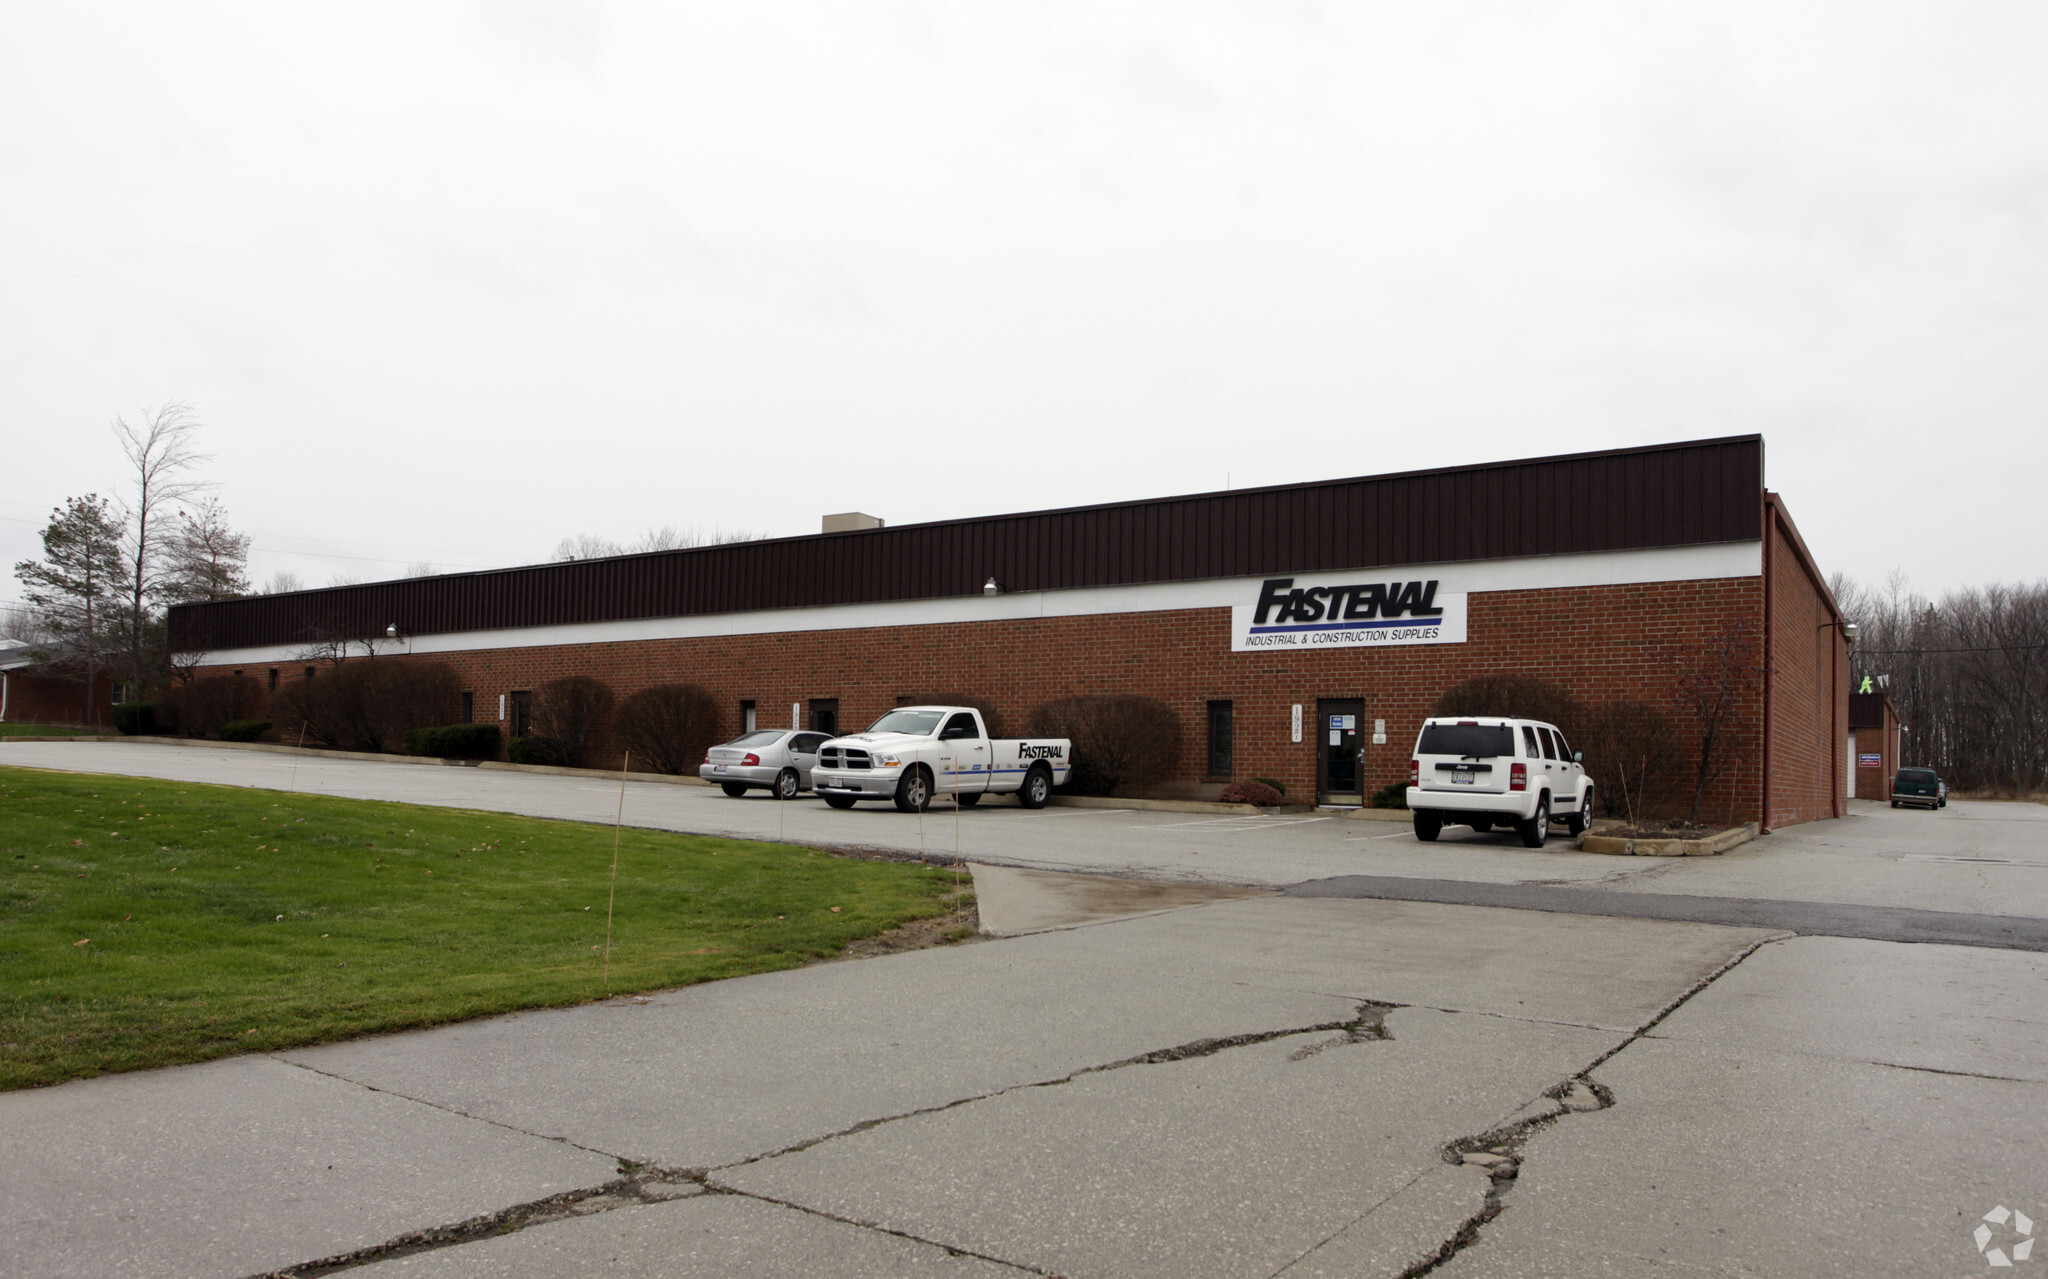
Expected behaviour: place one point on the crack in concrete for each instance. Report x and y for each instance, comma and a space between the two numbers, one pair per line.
1367, 1025
951, 1250
640, 1184
1499, 1150
448, 1110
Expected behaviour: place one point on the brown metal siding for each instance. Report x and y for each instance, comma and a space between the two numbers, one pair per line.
1670, 495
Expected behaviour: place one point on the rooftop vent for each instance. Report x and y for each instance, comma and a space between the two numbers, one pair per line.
850, 522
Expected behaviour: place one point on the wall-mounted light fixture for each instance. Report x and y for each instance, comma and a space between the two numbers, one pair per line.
391, 631
991, 587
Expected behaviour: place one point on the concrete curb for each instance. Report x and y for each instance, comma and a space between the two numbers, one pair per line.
62, 737
317, 752
1160, 805
1615, 845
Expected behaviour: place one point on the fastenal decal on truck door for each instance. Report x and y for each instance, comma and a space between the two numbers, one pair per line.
1332, 612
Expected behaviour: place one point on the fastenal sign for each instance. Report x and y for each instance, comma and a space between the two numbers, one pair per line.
1311, 613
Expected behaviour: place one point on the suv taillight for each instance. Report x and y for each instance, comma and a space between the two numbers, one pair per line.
1518, 777
1415, 772
752, 758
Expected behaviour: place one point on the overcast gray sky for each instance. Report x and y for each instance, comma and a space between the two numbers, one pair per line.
447, 282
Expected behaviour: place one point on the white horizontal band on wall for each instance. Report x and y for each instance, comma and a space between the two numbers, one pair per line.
1534, 573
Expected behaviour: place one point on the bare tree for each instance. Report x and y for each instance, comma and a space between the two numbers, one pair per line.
282, 582
593, 546
1968, 673
1715, 680
421, 568
73, 592
1631, 750
206, 560
160, 450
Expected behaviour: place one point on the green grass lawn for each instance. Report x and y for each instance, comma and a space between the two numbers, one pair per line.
11, 729
144, 923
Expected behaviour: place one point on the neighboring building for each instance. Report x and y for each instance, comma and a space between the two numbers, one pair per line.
1875, 735
31, 693
1300, 631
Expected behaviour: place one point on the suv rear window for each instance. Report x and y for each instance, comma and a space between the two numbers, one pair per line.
1916, 775
1483, 741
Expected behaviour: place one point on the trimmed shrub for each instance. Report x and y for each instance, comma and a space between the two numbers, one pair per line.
989, 718
454, 741
201, 706
1634, 756
367, 704
1121, 740
135, 719
536, 750
1251, 792
668, 728
244, 730
571, 712
1274, 782
1517, 697
1392, 795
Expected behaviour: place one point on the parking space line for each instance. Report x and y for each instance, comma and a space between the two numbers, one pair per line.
1974, 861
1399, 834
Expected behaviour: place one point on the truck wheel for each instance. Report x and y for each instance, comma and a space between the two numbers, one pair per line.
1582, 821
1037, 788
734, 789
787, 784
914, 792
1428, 825
840, 801
1537, 829
970, 799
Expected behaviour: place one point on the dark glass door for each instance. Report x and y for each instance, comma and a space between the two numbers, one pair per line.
1340, 755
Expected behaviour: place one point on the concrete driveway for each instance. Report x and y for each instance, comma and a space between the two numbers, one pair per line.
1259, 1087
1272, 1085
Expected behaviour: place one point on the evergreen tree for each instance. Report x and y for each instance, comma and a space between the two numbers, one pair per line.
74, 591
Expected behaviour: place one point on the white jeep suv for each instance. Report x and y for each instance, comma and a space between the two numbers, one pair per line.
1484, 771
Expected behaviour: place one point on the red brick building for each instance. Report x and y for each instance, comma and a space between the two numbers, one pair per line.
32, 693
1874, 733
1300, 632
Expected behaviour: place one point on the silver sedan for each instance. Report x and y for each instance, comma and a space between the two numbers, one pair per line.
777, 760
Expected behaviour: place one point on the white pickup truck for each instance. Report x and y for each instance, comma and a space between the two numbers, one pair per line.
916, 752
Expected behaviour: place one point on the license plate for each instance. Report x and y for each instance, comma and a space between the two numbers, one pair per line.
718, 768
1461, 779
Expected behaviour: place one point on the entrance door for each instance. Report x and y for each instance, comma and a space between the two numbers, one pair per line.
1340, 754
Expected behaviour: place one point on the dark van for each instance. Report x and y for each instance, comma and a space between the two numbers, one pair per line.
1919, 787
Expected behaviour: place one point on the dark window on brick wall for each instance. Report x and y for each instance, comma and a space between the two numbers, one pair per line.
469, 708
273, 679
517, 726
825, 715
1219, 739
310, 671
